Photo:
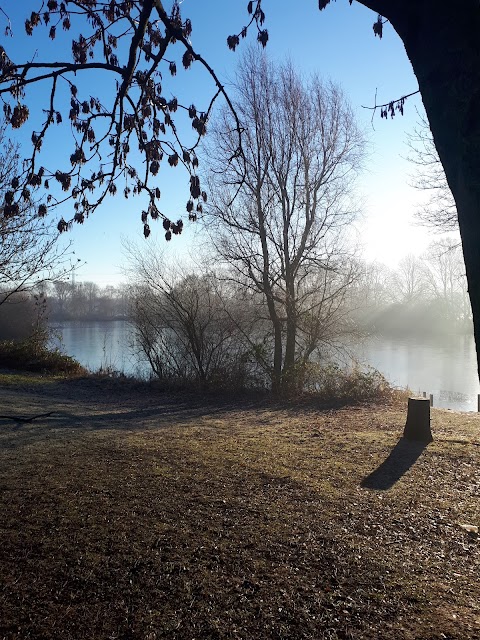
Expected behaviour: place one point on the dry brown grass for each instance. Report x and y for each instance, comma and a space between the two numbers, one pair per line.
129, 516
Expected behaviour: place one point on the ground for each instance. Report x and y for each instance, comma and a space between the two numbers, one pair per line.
127, 514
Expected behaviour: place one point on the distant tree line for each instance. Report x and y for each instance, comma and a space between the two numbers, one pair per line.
58, 301
423, 295
67, 300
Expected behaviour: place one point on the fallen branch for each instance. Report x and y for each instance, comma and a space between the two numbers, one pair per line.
23, 419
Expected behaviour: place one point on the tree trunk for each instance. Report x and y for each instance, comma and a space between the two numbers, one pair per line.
442, 40
277, 356
288, 373
276, 375
417, 426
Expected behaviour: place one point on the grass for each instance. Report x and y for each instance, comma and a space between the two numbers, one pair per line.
125, 515
22, 379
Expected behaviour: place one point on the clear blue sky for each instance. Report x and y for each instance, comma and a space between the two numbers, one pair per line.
337, 43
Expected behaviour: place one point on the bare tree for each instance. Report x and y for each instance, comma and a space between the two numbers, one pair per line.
372, 290
183, 322
440, 211
30, 250
279, 215
445, 268
408, 280
445, 273
91, 292
62, 291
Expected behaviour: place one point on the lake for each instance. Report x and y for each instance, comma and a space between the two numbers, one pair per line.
447, 369
98, 344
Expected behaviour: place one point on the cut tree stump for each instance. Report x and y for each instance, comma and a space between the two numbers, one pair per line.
417, 426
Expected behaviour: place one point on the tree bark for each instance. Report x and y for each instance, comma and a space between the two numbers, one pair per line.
277, 352
442, 40
288, 373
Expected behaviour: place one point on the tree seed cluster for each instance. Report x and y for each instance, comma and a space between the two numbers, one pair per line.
396, 106
136, 117
254, 9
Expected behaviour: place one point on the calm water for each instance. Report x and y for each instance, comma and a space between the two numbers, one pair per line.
98, 344
446, 369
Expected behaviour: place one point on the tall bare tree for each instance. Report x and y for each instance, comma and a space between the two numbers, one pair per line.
279, 215
445, 274
408, 280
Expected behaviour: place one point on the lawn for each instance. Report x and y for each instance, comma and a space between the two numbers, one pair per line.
130, 515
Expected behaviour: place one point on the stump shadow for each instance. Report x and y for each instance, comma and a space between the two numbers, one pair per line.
402, 457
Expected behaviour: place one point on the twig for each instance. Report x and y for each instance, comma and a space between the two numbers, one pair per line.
8, 30
24, 419
391, 106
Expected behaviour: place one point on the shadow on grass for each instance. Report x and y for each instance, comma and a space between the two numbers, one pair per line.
64, 420
403, 456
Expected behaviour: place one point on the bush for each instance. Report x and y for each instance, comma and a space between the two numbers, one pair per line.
33, 354
332, 383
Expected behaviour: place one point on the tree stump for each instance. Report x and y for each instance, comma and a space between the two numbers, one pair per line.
417, 426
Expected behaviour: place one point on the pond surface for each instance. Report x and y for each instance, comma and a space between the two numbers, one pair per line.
445, 368
98, 344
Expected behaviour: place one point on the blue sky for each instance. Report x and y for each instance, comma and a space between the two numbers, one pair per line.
337, 43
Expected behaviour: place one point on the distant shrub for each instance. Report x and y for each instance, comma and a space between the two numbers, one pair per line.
33, 354
333, 383
238, 378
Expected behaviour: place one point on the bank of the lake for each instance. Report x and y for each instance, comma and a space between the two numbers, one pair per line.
443, 366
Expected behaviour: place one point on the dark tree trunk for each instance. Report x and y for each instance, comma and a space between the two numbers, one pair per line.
288, 373
442, 40
276, 375
277, 356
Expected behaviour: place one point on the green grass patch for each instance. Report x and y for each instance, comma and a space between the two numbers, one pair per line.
23, 379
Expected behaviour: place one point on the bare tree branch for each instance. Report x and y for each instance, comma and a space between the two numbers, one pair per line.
132, 112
